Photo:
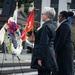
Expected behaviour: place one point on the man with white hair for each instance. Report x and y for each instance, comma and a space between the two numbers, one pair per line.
43, 57
49, 12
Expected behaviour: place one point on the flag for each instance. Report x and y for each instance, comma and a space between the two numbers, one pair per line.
30, 21
29, 25
2, 34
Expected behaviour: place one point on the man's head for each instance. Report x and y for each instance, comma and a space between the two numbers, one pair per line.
48, 13
63, 16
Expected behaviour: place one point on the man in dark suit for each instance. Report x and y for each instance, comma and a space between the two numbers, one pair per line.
43, 57
63, 46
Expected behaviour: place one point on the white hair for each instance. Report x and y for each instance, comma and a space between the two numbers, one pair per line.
50, 12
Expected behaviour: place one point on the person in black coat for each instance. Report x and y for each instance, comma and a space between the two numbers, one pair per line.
43, 57
63, 46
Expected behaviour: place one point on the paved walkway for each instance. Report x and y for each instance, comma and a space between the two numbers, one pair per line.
23, 57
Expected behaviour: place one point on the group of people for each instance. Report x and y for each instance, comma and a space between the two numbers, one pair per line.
53, 48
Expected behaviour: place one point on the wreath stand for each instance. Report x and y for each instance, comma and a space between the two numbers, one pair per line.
13, 55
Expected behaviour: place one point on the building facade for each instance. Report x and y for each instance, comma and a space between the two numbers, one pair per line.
58, 5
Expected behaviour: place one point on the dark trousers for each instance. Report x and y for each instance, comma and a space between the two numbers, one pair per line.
44, 72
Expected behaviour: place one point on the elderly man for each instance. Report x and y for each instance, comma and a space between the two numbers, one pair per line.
43, 57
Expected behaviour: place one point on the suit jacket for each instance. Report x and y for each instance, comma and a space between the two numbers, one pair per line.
44, 48
64, 49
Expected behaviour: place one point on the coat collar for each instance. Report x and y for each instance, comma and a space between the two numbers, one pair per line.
49, 21
61, 24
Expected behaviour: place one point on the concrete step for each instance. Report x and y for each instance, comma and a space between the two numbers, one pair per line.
29, 73
8, 68
16, 67
11, 71
16, 63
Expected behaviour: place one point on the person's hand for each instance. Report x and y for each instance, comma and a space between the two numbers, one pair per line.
39, 62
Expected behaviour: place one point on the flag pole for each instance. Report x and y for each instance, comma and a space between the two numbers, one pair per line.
15, 12
16, 5
33, 35
32, 39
